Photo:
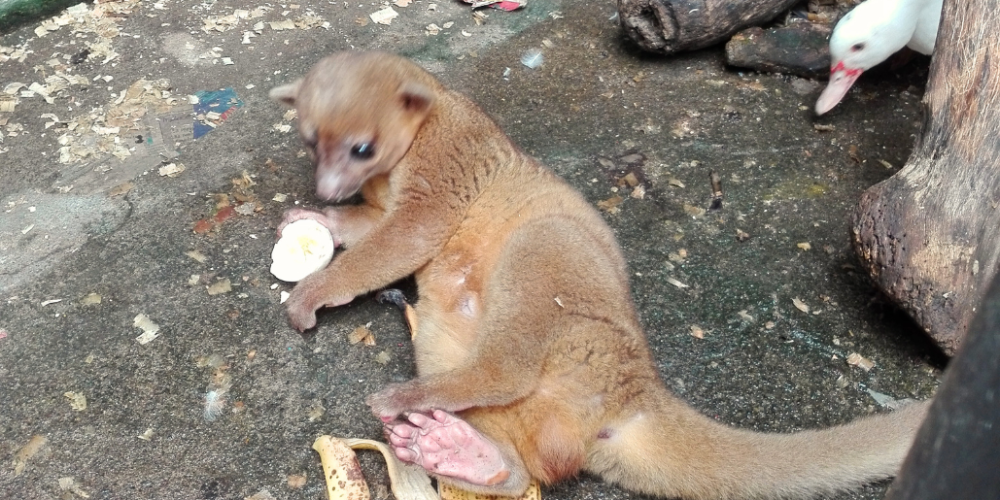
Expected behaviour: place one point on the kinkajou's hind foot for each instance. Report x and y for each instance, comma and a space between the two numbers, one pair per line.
446, 445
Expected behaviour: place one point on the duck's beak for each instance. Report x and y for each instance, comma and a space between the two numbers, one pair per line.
841, 79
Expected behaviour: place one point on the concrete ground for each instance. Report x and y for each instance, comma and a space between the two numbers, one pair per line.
92, 236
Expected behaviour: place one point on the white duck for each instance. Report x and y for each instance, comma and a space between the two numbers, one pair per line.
871, 33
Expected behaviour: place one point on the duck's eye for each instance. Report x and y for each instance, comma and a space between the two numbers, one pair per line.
363, 150
857, 47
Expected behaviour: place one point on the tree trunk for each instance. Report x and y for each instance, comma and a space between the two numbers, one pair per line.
671, 26
930, 235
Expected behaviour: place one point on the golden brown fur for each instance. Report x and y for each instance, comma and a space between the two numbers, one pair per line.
526, 328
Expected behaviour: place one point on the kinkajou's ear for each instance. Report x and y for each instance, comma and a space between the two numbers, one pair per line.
416, 98
287, 93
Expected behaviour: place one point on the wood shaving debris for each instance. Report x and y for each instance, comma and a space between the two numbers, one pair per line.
280, 197
855, 359
804, 246
69, 484
697, 332
263, 494
220, 287
745, 316
610, 205
432, 29
147, 435
676, 283
316, 412
383, 358
559, 302
90, 299
886, 164
149, 329
296, 481
800, 305
741, 235
694, 211
28, 451
824, 128
77, 400
286, 24
197, 256
362, 334
402, 3
171, 170
384, 16
51, 301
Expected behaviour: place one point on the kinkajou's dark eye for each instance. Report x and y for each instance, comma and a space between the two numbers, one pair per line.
363, 150
857, 47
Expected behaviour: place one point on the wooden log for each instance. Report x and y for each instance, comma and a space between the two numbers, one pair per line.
671, 26
930, 234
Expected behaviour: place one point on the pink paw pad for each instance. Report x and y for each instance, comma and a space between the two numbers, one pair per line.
446, 445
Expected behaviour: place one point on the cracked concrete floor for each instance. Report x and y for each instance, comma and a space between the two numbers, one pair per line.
91, 235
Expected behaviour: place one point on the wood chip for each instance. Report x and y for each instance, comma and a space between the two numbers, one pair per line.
804, 246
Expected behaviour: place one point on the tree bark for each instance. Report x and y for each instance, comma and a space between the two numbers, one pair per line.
671, 26
930, 235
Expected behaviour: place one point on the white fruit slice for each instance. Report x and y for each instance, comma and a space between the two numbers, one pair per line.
306, 246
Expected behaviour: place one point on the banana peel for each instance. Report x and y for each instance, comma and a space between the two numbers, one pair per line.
341, 469
408, 482
449, 492
344, 480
